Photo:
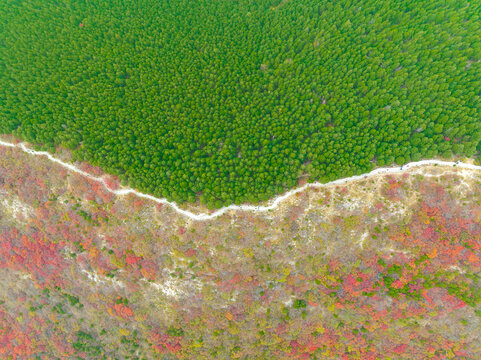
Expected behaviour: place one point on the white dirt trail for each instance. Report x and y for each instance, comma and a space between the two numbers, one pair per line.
272, 204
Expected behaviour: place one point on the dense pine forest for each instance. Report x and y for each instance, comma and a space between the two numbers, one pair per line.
230, 101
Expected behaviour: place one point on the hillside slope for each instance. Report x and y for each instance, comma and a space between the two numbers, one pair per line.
380, 268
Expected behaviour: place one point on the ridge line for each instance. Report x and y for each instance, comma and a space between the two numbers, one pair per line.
272, 204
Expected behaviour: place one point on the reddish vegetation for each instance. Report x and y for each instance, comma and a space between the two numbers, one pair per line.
181, 230
165, 343
108, 277
33, 254
123, 311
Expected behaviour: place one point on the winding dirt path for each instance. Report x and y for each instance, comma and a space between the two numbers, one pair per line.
272, 204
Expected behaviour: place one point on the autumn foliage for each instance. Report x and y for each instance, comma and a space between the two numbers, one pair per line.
375, 270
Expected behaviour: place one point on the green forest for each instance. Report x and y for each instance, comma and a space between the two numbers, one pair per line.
234, 101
